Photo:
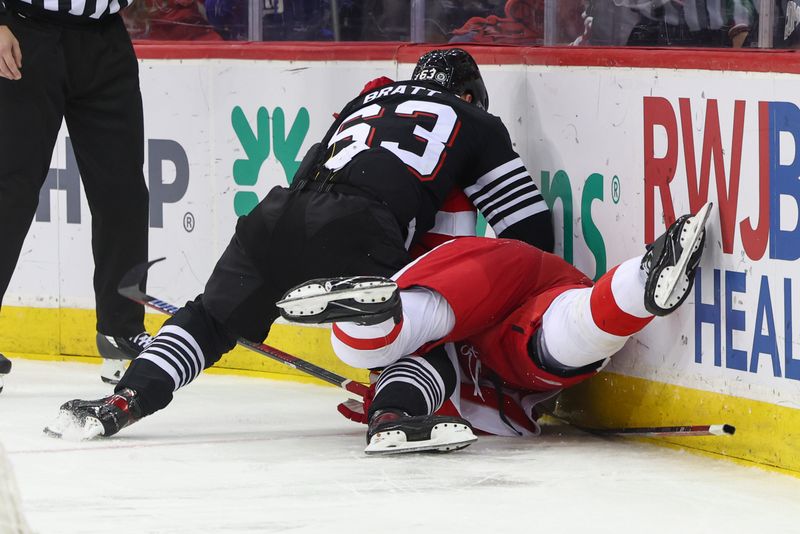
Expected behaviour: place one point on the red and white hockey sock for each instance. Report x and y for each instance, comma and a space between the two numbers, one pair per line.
617, 301
426, 317
587, 325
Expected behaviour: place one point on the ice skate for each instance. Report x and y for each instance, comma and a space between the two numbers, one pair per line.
81, 420
116, 350
5, 368
361, 299
395, 432
670, 262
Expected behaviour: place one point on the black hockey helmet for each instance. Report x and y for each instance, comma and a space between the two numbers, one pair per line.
455, 70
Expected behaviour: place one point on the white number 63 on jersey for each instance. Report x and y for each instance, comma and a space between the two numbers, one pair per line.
362, 133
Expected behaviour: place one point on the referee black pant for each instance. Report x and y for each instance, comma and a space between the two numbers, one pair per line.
89, 77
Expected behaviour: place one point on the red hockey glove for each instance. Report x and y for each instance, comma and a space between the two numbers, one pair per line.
356, 410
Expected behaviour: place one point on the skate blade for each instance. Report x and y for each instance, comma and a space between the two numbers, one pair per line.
445, 437
67, 427
314, 298
672, 275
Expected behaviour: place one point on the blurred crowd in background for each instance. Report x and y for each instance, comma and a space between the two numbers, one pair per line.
689, 23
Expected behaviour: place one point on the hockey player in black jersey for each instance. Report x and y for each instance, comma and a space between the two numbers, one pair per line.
358, 202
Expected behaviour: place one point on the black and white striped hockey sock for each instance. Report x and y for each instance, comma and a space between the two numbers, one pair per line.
177, 353
417, 385
171, 361
189, 342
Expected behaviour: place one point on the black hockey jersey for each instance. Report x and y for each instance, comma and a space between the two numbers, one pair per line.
408, 144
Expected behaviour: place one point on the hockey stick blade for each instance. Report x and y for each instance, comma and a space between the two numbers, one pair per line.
131, 284
130, 287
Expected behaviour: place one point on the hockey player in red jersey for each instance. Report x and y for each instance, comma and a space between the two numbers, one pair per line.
494, 325
358, 202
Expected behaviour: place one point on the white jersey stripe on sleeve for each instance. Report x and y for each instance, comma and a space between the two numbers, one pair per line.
493, 175
528, 199
510, 198
484, 194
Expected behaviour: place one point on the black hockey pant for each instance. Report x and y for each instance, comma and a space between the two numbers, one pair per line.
291, 236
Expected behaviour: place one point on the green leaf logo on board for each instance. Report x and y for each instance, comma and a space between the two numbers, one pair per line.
258, 141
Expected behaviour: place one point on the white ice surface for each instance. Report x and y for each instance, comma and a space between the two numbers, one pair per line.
234, 454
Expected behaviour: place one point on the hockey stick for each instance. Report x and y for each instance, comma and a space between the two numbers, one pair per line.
665, 431
654, 431
130, 287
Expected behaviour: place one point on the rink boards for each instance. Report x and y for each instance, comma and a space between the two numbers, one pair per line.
614, 138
